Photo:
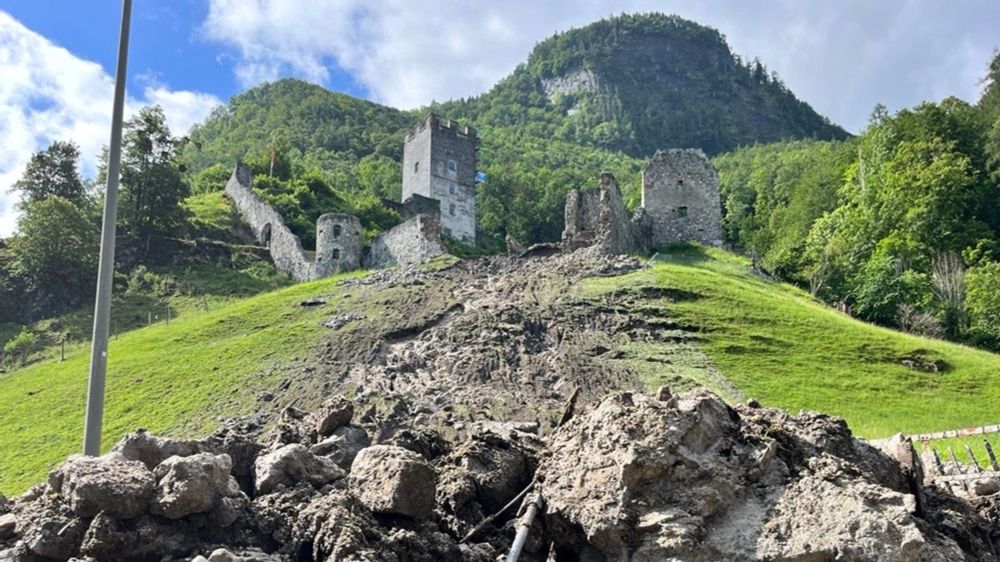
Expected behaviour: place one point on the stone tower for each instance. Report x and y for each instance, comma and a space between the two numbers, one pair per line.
439, 162
680, 194
340, 242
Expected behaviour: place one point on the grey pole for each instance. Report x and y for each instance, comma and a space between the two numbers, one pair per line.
102, 306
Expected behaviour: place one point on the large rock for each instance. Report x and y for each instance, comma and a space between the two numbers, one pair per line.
394, 480
828, 515
49, 528
334, 413
642, 479
290, 465
343, 445
151, 450
193, 484
111, 483
8, 525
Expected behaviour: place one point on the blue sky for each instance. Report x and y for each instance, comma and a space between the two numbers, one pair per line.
57, 56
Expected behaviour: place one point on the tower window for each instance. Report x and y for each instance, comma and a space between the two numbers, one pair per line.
680, 183
451, 189
416, 166
336, 254
452, 166
682, 212
336, 231
451, 209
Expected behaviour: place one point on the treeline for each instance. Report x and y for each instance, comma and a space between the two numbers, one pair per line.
50, 263
901, 224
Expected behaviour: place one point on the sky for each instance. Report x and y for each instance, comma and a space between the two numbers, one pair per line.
57, 57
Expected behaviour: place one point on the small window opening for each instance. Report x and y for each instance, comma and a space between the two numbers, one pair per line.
682, 211
336, 254
336, 231
452, 166
451, 189
680, 183
451, 210
416, 166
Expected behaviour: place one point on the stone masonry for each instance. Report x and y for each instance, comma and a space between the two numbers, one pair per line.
680, 192
415, 241
339, 237
439, 162
680, 203
267, 224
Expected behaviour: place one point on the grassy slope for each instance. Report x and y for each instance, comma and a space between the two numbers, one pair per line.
170, 379
777, 344
772, 341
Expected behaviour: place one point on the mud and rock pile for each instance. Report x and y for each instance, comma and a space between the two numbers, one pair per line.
635, 477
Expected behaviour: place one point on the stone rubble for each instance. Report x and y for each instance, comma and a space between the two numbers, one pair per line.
635, 477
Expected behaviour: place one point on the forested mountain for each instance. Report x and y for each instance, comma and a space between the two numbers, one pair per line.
639, 83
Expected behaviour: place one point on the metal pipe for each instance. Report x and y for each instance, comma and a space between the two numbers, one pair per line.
534, 504
105, 272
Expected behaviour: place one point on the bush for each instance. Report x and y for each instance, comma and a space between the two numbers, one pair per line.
20, 346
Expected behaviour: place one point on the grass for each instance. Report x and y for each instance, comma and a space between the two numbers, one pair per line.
171, 379
776, 343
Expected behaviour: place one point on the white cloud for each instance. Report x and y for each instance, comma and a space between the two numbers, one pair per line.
841, 57
47, 93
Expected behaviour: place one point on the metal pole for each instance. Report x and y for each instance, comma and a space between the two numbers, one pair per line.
102, 306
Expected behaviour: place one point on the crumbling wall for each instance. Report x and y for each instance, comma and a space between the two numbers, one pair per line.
268, 226
340, 242
415, 241
597, 217
414, 205
680, 192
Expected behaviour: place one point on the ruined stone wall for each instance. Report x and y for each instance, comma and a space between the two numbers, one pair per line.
415, 241
268, 226
340, 241
680, 193
598, 217
439, 162
415, 205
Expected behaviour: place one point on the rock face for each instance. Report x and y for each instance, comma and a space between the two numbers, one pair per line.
110, 483
292, 464
389, 479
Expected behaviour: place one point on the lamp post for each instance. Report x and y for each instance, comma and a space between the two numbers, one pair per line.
105, 271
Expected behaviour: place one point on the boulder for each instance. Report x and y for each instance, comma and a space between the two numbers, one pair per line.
49, 528
290, 465
394, 480
192, 484
110, 483
151, 450
8, 525
334, 413
343, 445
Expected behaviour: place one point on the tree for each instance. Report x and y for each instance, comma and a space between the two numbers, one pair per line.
152, 187
53, 172
948, 284
55, 252
983, 299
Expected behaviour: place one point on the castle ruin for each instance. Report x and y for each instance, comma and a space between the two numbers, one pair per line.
339, 237
680, 193
439, 162
680, 203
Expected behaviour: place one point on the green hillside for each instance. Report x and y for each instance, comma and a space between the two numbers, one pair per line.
771, 341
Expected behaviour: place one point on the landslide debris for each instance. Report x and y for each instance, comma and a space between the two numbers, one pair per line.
634, 477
